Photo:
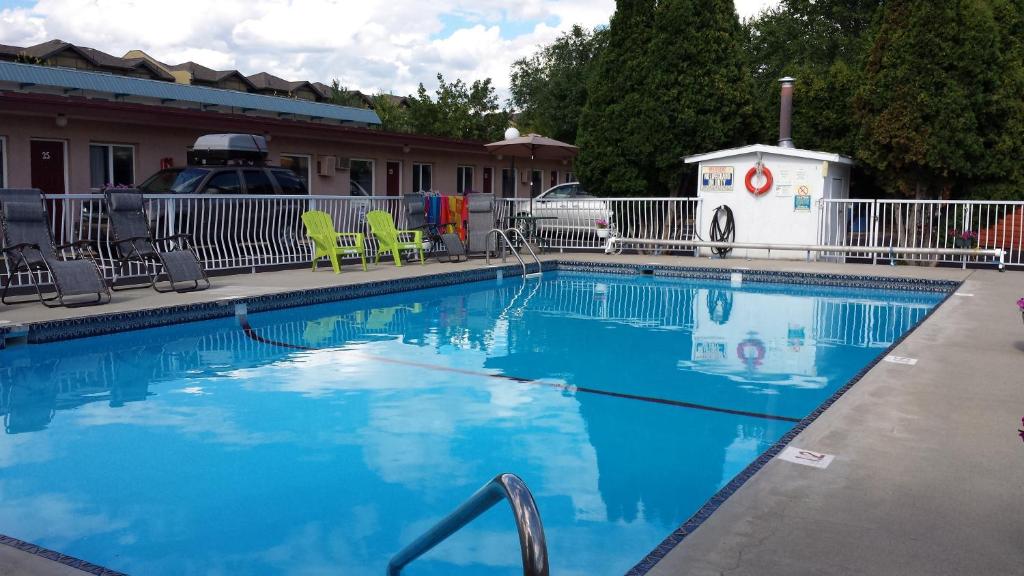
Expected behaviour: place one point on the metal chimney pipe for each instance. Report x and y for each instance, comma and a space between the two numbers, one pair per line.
786, 113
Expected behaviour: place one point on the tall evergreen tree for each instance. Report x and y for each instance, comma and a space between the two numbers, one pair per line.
927, 88
618, 120
699, 83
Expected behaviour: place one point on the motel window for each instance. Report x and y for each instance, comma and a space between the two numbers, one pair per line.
360, 172
111, 165
508, 183
421, 177
299, 164
536, 182
464, 179
3, 162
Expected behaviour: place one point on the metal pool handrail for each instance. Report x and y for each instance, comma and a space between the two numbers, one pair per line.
531, 531
504, 235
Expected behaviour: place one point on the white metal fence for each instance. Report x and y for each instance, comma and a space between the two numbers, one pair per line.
252, 232
925, 224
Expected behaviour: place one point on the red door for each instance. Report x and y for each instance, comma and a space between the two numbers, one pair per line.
47, 167
554, 179
488, 186
394, 178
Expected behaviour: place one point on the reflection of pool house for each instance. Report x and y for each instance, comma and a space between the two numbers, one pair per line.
84, 119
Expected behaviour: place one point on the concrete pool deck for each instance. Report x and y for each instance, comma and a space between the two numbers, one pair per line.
928, 476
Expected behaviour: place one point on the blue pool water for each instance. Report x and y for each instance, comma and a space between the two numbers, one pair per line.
624, 403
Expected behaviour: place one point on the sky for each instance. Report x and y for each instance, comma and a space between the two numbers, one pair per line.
368, 45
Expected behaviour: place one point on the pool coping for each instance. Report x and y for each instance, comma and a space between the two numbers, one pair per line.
100, 324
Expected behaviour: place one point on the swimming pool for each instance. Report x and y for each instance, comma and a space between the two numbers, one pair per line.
334, 434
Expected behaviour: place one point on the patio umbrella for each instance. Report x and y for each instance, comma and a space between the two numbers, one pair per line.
534, 147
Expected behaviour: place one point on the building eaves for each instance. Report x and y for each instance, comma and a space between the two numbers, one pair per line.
22, 76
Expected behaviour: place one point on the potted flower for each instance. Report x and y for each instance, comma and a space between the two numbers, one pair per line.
602, 227
964, 238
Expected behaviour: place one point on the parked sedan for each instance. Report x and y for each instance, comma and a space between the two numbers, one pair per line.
570, 209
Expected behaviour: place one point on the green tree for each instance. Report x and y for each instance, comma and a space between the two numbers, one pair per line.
1001, 174
342, 96
698, 83
926, 93
393, 115
549, 89
618, 121
824, 44
458, 111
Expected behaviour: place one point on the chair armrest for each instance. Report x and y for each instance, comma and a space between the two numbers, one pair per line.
131, 239
75, 244
174, 237
20, 247
357, 236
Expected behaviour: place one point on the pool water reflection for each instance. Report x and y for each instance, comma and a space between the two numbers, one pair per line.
195, 449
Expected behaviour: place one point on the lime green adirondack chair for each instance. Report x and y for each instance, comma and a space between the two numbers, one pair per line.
383, 228
320, 229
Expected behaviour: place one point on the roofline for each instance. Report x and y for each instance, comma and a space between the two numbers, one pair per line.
308, 129
28, 74
769, 149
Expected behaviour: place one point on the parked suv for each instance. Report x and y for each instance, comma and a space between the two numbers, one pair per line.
282, 218
253, 180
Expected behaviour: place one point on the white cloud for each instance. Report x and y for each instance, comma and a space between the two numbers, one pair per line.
370, 45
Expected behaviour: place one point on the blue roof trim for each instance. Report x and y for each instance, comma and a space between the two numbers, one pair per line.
29, 74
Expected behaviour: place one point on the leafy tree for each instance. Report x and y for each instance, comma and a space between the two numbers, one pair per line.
824, 44
618, 121
458, 111
926, 93
342, 96
393, 116
1001, 174
698, 83
549, 89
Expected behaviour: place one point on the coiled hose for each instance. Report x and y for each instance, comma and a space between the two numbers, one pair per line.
723, 229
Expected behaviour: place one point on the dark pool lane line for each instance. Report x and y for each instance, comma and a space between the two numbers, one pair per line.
251, 333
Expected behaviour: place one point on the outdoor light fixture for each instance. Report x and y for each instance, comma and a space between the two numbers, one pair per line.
61, 121
405, 148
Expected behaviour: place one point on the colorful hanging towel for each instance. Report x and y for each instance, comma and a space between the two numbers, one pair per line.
455, 215
434, 210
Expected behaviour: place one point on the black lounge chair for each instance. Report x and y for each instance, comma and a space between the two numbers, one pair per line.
416, 219
480, 224
134, 242
29, 247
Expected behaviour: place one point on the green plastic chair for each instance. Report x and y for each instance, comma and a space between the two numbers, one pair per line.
383, 228
320, 229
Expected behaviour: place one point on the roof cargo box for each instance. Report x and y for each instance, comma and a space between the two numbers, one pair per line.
228, 150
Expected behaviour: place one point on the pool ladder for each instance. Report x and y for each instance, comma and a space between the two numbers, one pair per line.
504, 235
532, 544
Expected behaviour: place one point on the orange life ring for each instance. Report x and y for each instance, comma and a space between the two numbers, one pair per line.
758, 349
759, 190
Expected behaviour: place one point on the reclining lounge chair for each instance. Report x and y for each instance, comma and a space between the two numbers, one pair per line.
29, 247
480, 223
133, 242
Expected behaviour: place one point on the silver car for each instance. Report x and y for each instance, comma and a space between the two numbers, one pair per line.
568, 208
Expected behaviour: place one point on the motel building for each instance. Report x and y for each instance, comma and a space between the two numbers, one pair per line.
74, 119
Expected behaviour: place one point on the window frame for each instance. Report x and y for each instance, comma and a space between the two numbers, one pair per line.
239, 177
460, 186
569, 177
373, 175
309, 169
270, 180
110, 161
3, 162
515, 182
420, 166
